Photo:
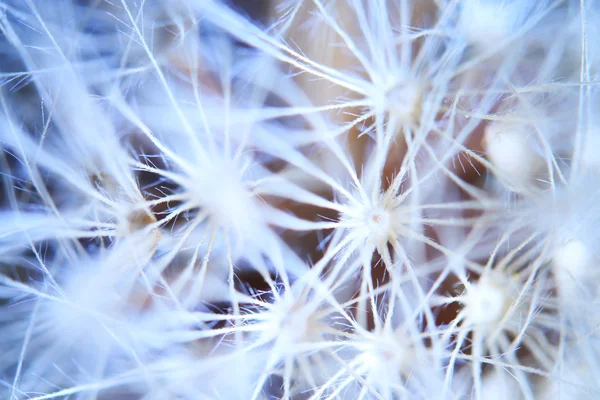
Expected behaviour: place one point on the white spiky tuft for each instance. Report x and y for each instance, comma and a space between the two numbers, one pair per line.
299, 199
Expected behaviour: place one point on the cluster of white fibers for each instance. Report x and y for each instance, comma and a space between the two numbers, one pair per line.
299, 199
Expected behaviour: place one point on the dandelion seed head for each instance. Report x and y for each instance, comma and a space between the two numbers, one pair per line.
404, 102
93, 302
196, 204
575, 269
220, 189
484, 23
387, 356
510, 149
486, 302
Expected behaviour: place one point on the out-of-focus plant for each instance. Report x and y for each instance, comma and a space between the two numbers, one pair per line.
299, 199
